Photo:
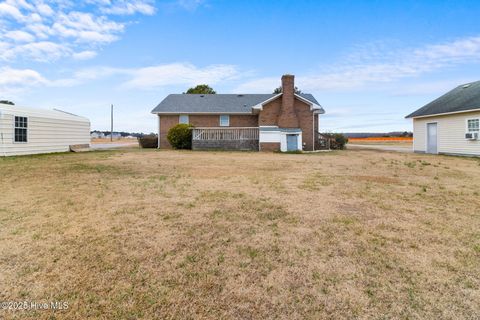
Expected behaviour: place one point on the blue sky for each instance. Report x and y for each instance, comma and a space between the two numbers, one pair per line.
369, 63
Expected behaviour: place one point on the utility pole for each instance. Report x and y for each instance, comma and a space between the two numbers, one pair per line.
111, 122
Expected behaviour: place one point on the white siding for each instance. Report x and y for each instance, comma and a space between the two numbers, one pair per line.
451, 134
49, 131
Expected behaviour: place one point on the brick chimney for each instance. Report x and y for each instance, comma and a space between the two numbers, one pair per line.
288, 117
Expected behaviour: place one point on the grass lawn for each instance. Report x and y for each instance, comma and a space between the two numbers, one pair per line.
380, 142
163, 234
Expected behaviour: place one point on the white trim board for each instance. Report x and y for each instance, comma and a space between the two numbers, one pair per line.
443, 114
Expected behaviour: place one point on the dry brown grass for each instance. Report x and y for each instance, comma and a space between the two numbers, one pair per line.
115, 140
163, 234
380, 142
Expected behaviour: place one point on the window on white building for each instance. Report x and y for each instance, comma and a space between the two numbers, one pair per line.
473, 125
21, 127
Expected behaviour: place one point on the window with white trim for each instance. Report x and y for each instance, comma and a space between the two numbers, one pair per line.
183, 118
21, 127
224, 120
473, 125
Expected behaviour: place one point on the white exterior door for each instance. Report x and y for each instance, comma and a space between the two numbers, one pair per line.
432, 140
292, 140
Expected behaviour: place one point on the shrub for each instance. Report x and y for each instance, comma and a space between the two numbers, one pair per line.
337, 140
180, 136
150, 141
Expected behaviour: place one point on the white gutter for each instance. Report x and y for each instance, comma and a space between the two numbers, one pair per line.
1, 135
169, 113
158, 141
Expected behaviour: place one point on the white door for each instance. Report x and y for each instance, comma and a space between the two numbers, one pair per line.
432, 138
292, 140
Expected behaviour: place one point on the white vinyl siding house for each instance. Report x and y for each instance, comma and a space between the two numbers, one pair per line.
31, 131
451, 131
449, 124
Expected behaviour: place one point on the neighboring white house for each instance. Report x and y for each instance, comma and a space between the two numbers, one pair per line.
31, 131
97, 135
449, 124
116, 135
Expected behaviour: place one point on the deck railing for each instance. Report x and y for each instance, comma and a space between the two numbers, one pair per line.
324, 142
218, 133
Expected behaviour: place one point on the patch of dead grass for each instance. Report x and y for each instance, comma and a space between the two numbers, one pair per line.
163, 234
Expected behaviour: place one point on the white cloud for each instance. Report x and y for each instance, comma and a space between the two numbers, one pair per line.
84, 55
375, 64
157, 76
8, 10
13, 81
190, 5
9, 77
179, 74
19, 36
129, 8
76, 27
39, 51
154, 77
44, 9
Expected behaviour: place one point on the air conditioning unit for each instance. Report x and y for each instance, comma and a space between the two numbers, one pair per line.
472, 135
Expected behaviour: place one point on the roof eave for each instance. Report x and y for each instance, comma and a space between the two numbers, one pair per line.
186, 112
412, 116
313, 106
260, 105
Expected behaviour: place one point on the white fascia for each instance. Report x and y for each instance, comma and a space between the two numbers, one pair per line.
261, 104
313, 106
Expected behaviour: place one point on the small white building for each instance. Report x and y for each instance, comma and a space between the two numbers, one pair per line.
116, 135
97, 135
32, 131
449, 124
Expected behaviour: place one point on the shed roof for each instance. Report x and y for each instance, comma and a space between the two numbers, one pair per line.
215, 103
41, 113
461, 99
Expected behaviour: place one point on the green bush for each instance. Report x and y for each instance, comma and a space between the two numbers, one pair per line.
180, 136
337, 140
150, 141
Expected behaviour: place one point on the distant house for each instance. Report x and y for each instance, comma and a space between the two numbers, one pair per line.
449, 124
97, 135
31, 131
286, 121
115, 135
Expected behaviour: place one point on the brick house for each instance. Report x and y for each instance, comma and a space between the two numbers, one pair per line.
266, 122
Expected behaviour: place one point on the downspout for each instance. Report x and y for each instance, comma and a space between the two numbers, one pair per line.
1, 135
313, 130
158, 143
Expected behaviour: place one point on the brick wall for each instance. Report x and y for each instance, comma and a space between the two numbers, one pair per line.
269, 115
168, 121
305, 121
271, 111
245, 145
214, 120
270, 146
288, 117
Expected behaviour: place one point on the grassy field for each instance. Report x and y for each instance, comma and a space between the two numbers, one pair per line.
162, 234
381, 142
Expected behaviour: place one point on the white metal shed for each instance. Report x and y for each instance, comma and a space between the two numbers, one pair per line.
32, 131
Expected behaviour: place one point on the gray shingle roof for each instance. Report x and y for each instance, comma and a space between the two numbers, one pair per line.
463, 98
215, 103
